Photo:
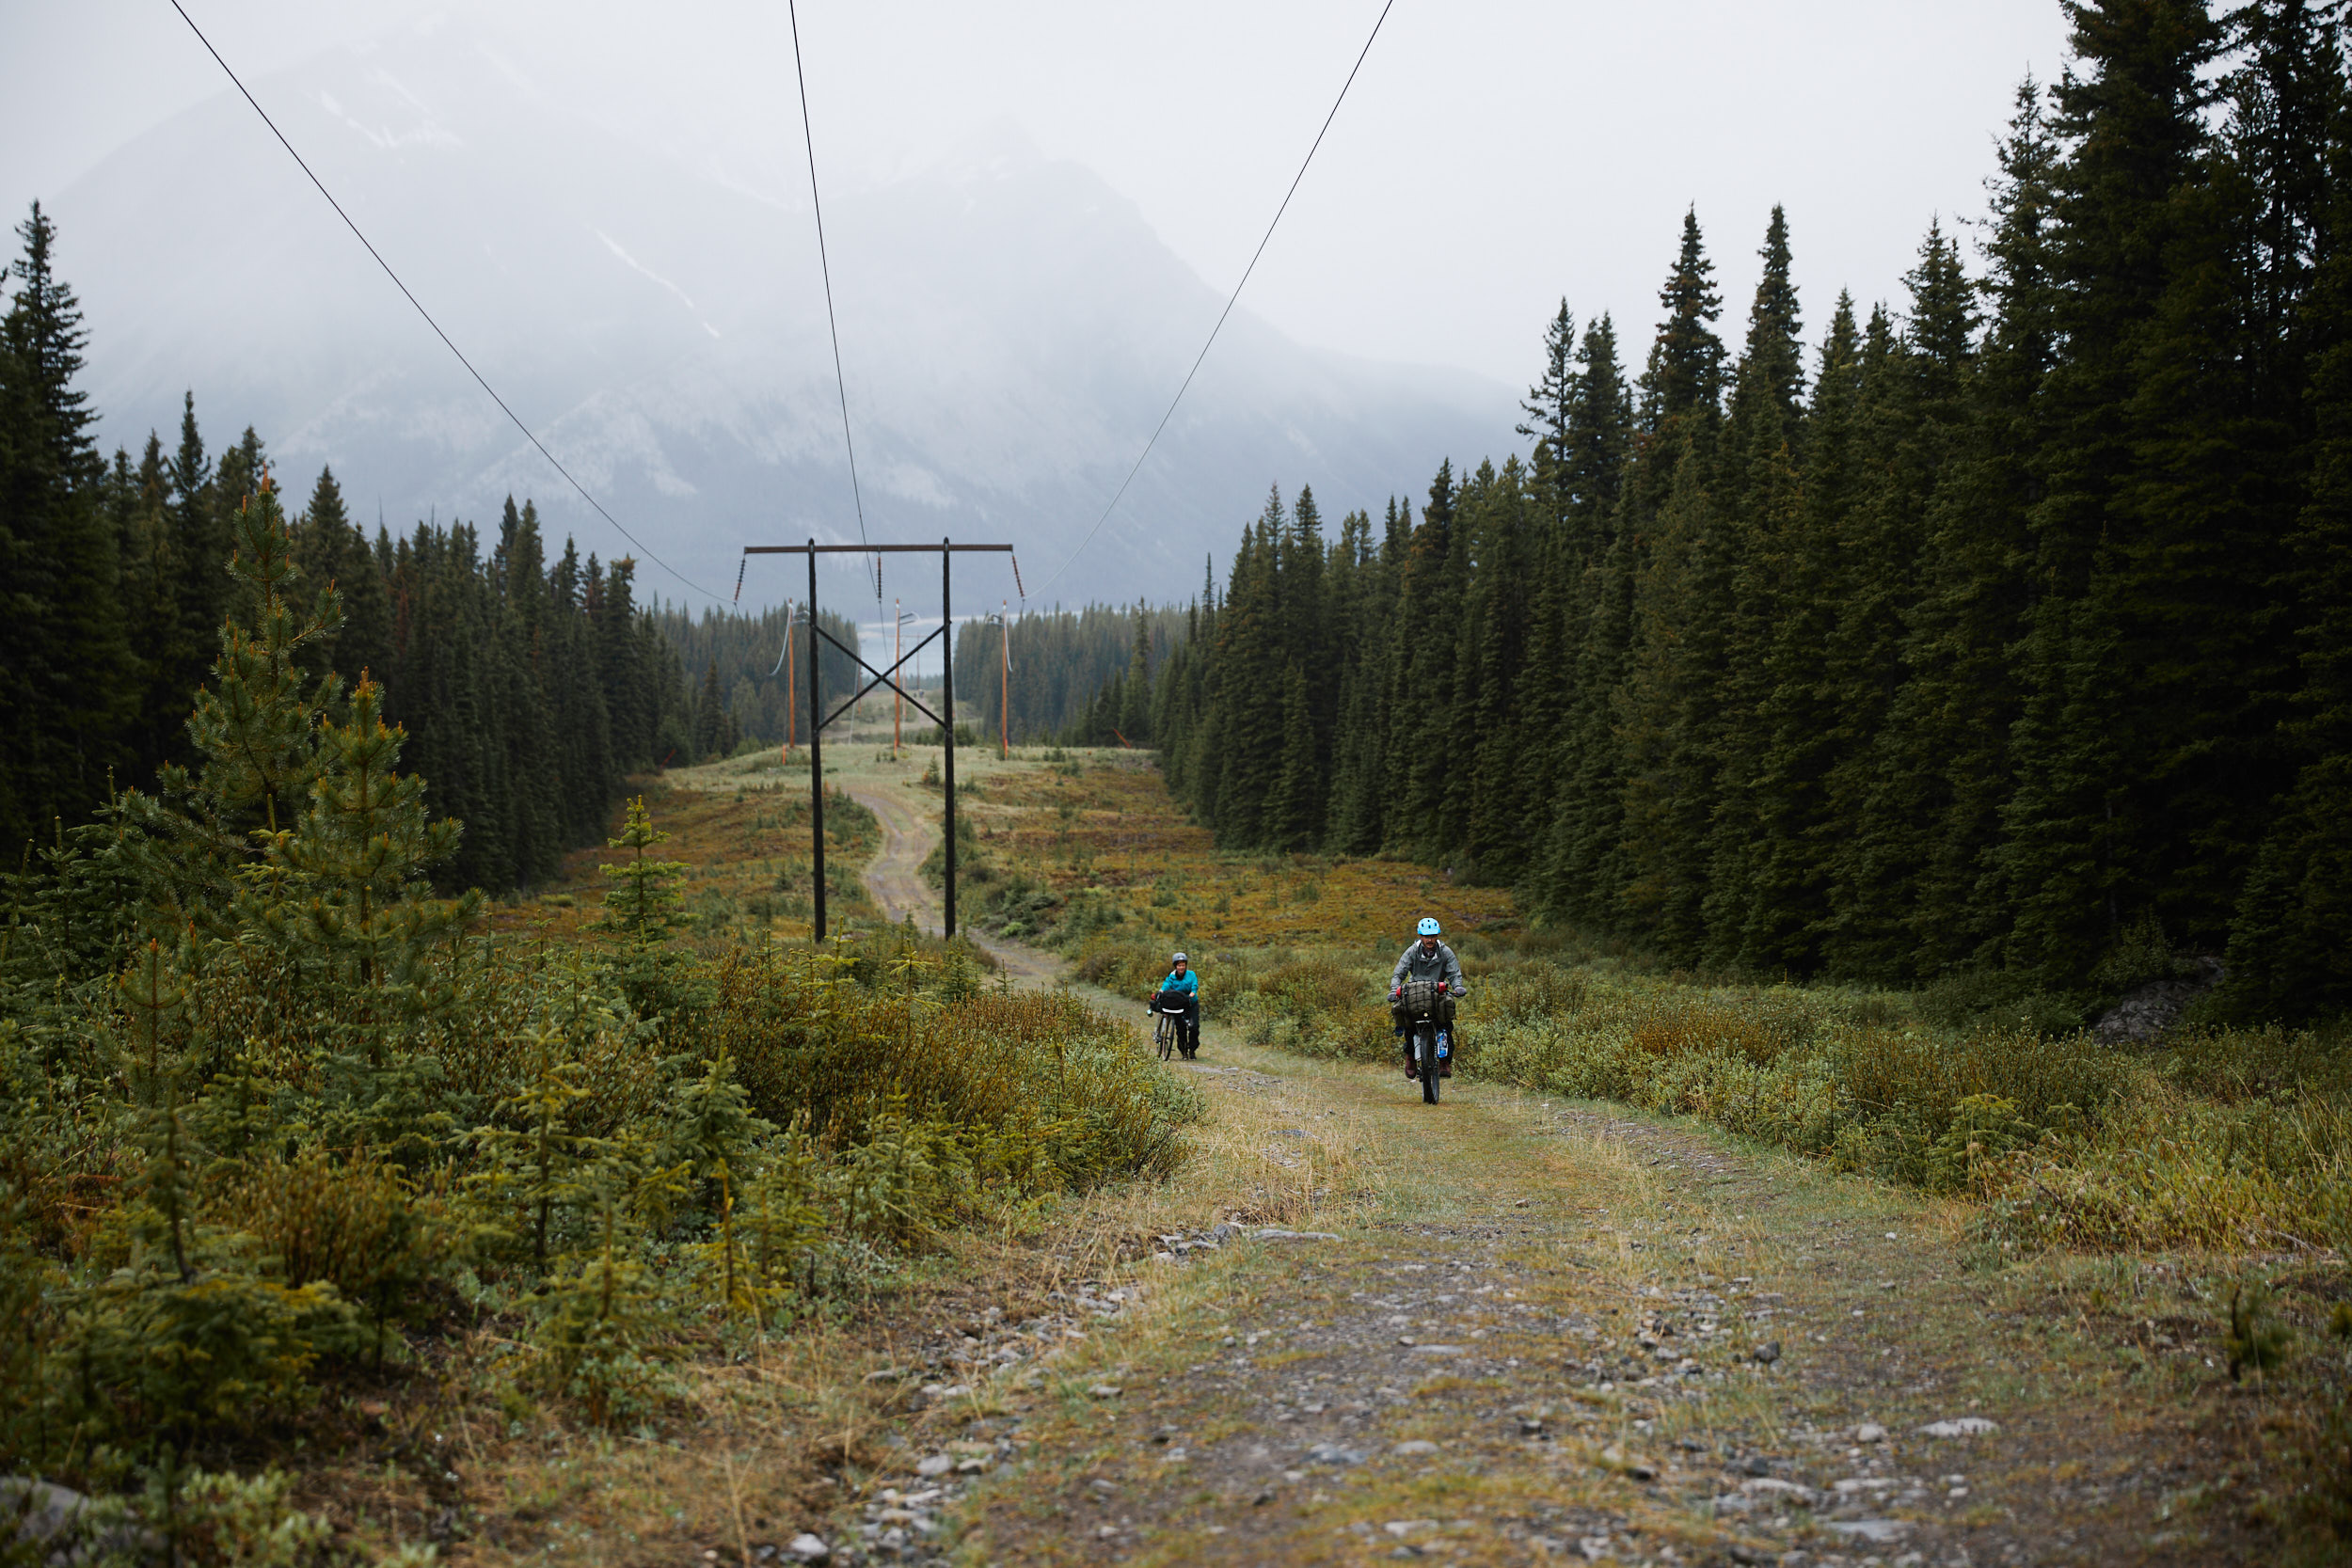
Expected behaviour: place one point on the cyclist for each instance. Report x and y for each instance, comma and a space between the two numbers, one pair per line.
1181, 978
1426, 959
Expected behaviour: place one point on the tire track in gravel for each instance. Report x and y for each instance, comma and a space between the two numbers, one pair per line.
1540, 1341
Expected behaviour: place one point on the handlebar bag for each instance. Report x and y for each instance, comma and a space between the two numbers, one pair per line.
1423, 998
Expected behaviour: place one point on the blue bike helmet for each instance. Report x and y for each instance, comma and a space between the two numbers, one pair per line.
1428, 926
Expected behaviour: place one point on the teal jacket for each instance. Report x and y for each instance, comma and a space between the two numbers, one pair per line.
1187, 982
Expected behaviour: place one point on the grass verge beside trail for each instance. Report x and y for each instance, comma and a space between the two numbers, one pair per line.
2229, 1140
2217, 1140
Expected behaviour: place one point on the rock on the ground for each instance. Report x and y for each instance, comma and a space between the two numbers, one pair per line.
2143, 1014
40, 1513
1959, 1426
808, 1548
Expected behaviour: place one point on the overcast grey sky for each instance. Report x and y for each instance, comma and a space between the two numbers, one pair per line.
1491, 158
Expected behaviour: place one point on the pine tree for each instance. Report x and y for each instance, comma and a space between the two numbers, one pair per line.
1244, 698
2151, 557
1747, 919
1294, 808
1134, 708
1551, 405
1951, 727
1884, 787
2289, 949
363, 849
584, 760
196, 550
706, 714
255, 722
66, 673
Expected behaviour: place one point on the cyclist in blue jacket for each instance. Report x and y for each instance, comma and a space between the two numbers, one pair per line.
1182, 979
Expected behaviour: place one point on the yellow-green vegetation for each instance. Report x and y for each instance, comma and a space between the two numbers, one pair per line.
2221, 1140
1088, 848
2218, 1139
299, 1160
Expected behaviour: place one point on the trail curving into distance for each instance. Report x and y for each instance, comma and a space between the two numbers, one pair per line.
894, 878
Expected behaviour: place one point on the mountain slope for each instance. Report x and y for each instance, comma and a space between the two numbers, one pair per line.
1011, 329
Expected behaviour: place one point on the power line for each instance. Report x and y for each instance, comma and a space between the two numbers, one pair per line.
808, 140
1229, 303
412, 299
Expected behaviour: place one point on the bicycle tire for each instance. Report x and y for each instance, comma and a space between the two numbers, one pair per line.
1425, 1055
1166, 1035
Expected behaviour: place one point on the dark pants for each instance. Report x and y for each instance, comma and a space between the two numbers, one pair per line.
1404, 1029
1187, 1027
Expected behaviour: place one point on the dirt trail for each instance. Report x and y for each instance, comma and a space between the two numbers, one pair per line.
1513, 1329
896, 878
1519, 1329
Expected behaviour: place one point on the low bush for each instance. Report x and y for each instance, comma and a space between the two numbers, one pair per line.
2223, 1139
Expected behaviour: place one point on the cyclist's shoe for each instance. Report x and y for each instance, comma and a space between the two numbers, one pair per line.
1409, 1068
1445, 1067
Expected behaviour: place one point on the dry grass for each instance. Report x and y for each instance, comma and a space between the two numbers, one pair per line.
743, 838
1101, 838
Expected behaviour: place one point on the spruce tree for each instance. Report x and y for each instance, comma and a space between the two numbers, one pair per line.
2151, 549
1884, 786
1551, 405
1952, 726
1749, 554
66, 673
196, 550
2290, 950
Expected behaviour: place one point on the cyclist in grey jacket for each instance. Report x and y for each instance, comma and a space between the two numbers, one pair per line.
1427, 959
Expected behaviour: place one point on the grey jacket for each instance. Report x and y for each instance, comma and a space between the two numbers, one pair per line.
1441, 966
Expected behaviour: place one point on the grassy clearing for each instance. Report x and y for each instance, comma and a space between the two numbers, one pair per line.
740, 831
1088, 849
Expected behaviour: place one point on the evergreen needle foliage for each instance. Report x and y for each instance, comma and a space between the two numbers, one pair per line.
2004, 636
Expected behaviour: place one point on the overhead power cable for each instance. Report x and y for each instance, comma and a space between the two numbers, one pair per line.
824, 263
479, 379
1229, 303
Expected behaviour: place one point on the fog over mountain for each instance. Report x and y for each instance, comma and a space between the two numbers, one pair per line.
1011, 329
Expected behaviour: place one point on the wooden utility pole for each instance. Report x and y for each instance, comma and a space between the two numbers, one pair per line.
818, 717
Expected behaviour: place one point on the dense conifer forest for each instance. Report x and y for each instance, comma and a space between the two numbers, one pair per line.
2004, 629
1081, 676
529, 687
